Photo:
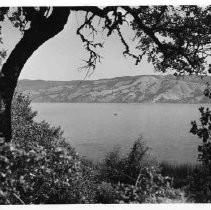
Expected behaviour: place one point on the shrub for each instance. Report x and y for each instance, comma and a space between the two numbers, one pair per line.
150, 187
203, 132
135, 178
27, 133
200, 185
115, 168
39, 166
180, 173
42, 177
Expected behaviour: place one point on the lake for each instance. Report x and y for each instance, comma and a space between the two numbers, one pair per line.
94, 129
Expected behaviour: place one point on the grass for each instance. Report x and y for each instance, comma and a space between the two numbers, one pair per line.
179, 172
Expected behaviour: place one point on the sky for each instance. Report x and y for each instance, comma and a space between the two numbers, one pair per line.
61, 57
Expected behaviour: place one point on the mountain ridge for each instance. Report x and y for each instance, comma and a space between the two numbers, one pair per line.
127, 89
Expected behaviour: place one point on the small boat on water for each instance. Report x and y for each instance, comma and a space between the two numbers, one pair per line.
115, 114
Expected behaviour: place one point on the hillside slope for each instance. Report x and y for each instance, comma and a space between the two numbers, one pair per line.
136, 89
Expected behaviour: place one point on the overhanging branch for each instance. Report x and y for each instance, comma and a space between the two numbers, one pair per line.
94, 57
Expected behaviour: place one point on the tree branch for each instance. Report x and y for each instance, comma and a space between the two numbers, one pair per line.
95, 10
146, 29
168, 50
127, 48
94, 57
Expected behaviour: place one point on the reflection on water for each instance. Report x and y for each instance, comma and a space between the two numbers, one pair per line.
93, 129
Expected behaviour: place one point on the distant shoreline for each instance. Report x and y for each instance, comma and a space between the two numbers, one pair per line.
128, 89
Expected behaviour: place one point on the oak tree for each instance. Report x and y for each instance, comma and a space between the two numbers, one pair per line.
173, 38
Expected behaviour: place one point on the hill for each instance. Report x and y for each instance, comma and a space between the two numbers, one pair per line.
129, 89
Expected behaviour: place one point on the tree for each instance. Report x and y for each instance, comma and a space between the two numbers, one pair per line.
200, 182
175, 38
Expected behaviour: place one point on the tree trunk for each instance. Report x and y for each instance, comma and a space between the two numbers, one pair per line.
5, 116
40, 32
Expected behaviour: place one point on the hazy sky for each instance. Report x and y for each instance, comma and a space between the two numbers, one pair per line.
60, 57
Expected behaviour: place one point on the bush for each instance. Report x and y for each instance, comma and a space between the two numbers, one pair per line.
180, 173
200, 184
203, 132
27, 133
39, 166
42, 177
115, 168
135, 178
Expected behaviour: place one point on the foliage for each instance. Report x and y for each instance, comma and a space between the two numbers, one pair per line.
199, 187
115, 168
27, 133
200, 183
175, 38
152, 187
42, 177
203, 132
135, 178
172, 37
180, 173
38, 166
178, 36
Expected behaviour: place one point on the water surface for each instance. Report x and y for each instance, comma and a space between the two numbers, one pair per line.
93, 129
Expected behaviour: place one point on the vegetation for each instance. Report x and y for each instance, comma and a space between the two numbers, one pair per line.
135, 178
172, 38
180, 173
163, 89
38, 166
201, 181
196, 179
